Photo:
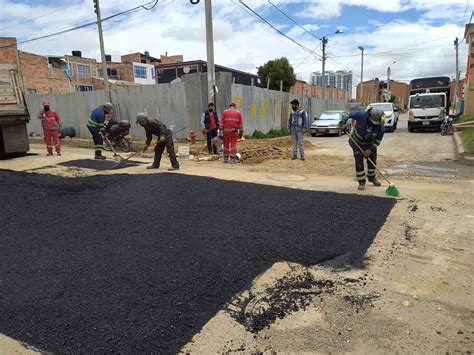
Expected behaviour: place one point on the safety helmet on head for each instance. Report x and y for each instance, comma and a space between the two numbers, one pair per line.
108, 105
141, 118
232, 104
376, 116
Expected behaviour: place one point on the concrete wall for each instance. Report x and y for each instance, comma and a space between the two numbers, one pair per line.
180, 105
264, 109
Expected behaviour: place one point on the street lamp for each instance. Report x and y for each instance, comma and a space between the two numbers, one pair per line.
324, 41
362, 74
388, 81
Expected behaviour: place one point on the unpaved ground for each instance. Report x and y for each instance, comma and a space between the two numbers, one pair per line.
415, 294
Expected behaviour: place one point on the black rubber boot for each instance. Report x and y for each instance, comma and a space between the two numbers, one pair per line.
153, 166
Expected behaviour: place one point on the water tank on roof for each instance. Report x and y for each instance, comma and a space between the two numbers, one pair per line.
76, 53
147, 53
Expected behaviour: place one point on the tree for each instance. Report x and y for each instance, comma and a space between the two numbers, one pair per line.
277, 70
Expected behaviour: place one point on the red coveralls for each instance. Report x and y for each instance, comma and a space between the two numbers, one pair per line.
50, 121
231, 123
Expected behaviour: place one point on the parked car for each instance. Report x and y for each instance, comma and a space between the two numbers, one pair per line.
331, 122
391, 112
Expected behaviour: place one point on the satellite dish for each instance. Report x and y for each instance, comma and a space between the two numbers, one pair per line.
186, 70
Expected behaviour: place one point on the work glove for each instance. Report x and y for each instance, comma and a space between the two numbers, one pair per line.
367, 152
162, 139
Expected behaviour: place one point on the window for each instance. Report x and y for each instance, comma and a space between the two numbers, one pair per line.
85, 88
110, 72
31, 91
83, 70
139, 72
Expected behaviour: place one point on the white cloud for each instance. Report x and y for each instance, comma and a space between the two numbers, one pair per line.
241, 41
323, 10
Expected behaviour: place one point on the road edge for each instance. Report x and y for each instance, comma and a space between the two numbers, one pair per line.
459, 150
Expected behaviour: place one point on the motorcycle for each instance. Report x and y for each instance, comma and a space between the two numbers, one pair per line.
447, 128
117, 134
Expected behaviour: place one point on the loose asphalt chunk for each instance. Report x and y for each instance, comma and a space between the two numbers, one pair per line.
139, 263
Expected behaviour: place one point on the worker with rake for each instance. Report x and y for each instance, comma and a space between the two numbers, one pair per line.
165, 139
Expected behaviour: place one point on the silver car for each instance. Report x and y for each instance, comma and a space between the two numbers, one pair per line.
331, 122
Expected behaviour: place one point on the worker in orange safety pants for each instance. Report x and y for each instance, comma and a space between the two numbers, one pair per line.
231, 125
51, 126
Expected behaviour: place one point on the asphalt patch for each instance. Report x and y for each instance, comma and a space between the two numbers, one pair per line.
140, 263
100, 165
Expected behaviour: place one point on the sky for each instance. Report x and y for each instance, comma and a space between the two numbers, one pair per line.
412, 37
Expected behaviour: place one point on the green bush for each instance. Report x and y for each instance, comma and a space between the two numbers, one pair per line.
271, 134
468, 141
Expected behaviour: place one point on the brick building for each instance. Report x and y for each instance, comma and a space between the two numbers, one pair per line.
374, 90
303, 88
469, 86
460, 95
62, 74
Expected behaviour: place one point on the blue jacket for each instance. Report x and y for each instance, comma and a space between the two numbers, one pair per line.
298, 119
365, 132
97, 118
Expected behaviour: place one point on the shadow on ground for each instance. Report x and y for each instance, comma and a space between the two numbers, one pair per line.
140, 264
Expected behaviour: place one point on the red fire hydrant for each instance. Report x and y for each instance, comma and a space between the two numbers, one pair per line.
192, 137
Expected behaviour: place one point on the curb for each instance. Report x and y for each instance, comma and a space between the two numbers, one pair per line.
459, 150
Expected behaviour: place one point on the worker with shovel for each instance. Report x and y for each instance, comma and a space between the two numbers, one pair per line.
366, 136
165, 139
96, 125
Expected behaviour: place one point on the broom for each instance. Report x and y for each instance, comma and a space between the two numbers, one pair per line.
392, 189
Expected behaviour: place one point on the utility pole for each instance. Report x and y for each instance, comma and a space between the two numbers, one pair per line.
362, 74
324, 42
102, 50
456, 88
211, 75
388, 84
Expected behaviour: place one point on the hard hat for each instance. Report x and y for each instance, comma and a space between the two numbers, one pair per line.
232, 104
376, 116
141, 118
45, 103
109, 105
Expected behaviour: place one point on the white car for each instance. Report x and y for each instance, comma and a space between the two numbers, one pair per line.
391, 112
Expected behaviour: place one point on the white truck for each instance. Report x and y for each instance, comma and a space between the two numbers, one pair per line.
13, 114
428, 104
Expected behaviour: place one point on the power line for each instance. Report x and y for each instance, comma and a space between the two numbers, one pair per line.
155, 2
292, 20
280, 32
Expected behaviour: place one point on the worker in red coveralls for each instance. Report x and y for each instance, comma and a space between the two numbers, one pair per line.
231, 125
51, 125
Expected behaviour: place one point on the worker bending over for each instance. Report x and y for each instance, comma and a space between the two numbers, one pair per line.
165, 139
367, 134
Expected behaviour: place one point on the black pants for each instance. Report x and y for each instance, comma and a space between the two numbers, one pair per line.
211, 148
359, 162
160, 147
98, 140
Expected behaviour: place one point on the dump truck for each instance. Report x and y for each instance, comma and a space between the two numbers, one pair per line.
13, 114
429, 102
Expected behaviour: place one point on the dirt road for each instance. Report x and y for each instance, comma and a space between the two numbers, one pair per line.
415, 292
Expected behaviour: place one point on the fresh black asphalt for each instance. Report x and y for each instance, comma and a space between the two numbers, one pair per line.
139, 263
100, 165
